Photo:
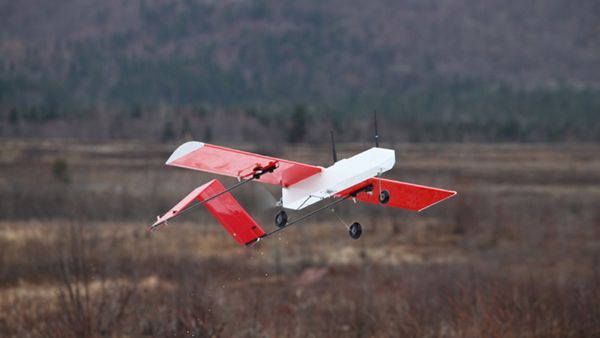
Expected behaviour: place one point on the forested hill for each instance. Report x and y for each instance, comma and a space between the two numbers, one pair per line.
487, 69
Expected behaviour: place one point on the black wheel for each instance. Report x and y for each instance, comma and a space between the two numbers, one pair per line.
384, 197
355, 230
281, 219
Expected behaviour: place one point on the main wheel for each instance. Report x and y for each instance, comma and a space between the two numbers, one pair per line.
384, 197
355, 230
281, 219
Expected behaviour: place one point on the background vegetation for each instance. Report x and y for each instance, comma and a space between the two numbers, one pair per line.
435, 70
515, 253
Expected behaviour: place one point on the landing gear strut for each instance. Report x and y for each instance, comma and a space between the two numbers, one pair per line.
281, 219
355, 230
282, 222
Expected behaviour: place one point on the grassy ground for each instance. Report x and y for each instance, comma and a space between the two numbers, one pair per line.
516, 253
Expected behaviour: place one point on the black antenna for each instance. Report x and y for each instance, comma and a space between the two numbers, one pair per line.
376, 132
333, 147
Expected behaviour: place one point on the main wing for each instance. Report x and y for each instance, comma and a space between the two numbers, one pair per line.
236, 163
402, 195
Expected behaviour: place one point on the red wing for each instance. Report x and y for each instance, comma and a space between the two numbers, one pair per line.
224, 208
402, 195
236, 163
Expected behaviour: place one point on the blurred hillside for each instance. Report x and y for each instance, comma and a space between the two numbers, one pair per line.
460, 70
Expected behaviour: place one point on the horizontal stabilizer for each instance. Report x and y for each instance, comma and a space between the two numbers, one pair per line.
402, 195
224, 208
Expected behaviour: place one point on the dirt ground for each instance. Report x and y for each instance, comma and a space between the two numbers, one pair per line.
515, 253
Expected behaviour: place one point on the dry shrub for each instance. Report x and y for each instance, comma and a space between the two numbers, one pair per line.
88, 304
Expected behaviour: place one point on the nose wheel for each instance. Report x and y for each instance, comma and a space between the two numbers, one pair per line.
355, 230
281, 219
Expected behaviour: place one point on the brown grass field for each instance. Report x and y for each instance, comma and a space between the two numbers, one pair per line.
515, 254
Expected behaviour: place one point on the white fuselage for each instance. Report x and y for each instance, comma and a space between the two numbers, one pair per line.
342, 175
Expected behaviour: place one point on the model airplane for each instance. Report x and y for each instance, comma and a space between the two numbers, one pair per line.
302, 185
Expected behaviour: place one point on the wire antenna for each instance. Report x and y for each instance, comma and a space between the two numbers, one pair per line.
333, 152
376, 131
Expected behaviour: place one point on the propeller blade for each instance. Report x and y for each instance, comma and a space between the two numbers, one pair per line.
263, 198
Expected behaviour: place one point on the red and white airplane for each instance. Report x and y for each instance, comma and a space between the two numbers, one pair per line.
302, 185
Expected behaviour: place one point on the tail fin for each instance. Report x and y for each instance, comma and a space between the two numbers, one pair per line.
224, 208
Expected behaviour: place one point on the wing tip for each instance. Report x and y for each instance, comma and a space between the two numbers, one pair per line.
450, 194
183, 150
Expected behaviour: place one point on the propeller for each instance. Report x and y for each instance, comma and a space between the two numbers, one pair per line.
263, 198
